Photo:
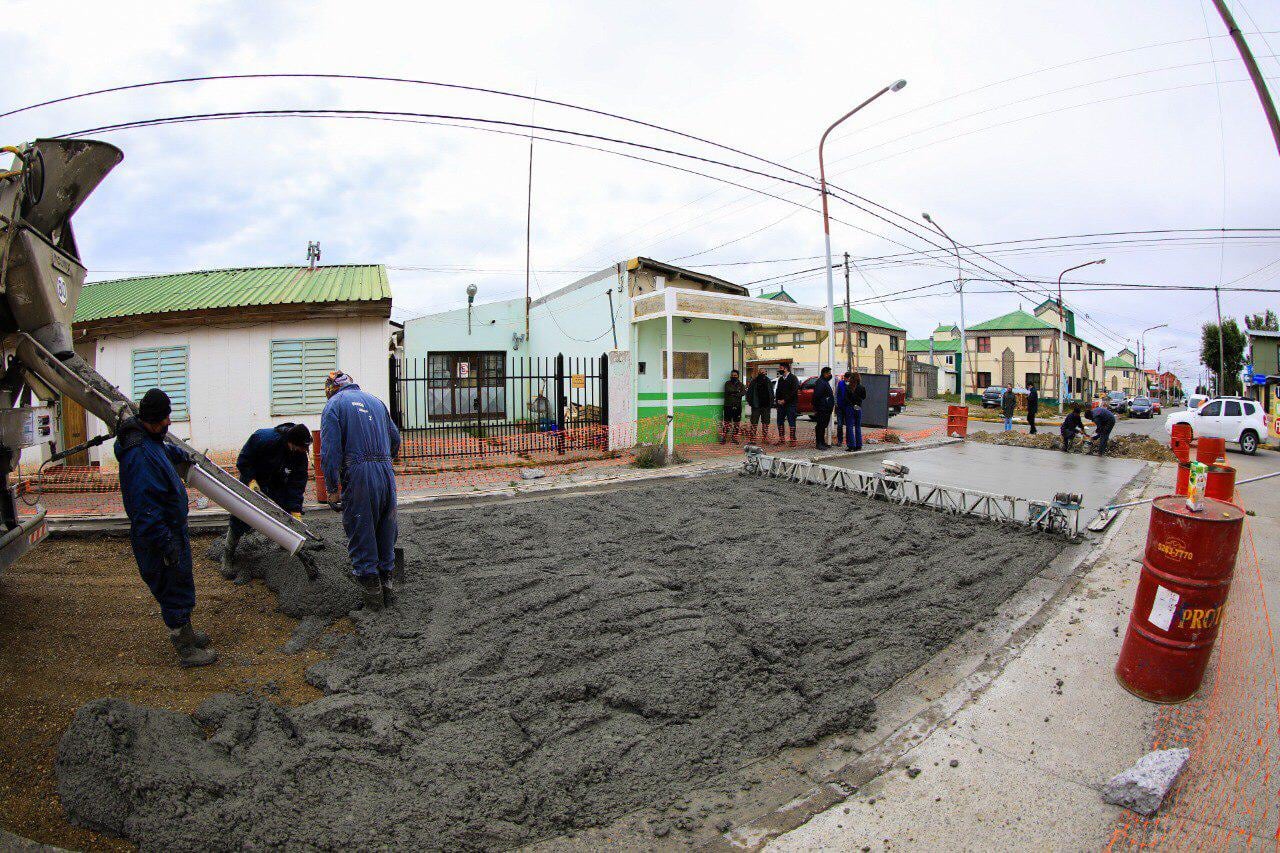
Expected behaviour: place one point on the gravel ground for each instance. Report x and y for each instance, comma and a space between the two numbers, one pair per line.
1121, 446
552, 665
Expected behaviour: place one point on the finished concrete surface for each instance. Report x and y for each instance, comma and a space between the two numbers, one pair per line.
1017, 471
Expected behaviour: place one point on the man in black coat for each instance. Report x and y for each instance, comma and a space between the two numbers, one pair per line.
760, 399
1104, 420
824, 402
787, 394
731, 420
1033, 405
1071, 426
273, 461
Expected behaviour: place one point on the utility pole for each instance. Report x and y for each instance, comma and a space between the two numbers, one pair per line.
1222, 380
848, 320
528, 240
1246, 55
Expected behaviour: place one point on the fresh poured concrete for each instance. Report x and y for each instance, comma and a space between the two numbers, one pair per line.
1017, 471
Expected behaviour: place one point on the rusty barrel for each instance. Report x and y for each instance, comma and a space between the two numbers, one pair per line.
1210, 450
1181, 598
1182, 484
1220, 483
957, 421
1180, 442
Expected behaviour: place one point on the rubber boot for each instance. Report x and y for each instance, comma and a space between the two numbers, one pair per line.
388, 590
791, 441
229, 553
187, 644
370, 592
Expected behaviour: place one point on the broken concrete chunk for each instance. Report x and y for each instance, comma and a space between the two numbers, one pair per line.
1143, 786
532, 473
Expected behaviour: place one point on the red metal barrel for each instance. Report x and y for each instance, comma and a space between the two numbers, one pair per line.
1220, 483
1182, 593
1210, 450
1183, 483
1180, 442
957, 421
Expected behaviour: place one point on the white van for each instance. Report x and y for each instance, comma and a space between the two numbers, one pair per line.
1195, 401
1231, 418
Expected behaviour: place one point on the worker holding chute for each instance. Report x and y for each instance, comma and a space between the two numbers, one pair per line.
357, 443
274, 462
155, 499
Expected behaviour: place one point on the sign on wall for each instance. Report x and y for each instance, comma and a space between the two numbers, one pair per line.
464, 369
579, 380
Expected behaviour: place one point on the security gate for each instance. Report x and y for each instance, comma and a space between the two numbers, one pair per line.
483, 403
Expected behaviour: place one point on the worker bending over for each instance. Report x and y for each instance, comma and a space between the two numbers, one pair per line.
1071, 425
357, 443
1104, 420
274, 462
155, 499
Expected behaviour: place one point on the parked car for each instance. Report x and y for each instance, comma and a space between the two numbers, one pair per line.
804, 402
1116, 401
1236, 420
1155, 405
992, 396
1195, 401
1142, 407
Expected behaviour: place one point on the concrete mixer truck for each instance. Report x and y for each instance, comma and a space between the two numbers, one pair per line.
41, 274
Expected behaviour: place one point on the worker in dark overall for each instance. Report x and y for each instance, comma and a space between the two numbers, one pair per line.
1071, 426
357, 443
274, 462
731, 420
1104, 420
824, 402
155, 499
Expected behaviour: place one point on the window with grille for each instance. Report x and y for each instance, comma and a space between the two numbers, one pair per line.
893, 343
164, 368
1033, 343
1033, 380
298, 371
984, 379
862, 339
984, 344
689, 365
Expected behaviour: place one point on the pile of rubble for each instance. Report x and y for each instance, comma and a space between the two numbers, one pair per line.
1120, 447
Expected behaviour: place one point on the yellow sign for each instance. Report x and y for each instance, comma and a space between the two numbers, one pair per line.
579, 380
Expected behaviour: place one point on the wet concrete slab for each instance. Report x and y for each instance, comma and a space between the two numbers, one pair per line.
1017, 471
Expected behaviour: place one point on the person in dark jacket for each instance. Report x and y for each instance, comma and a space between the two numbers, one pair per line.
842, 388
787, 395
1033, 406
155, 499
357, 443
731, 420
855, 395
273, 461
760, 399
1008, 402
1104, 420
1071, 426
824, 402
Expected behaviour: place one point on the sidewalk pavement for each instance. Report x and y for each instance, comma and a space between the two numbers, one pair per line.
1020, 765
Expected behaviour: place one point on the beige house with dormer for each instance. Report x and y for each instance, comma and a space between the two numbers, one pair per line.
1122, 373
1021, 349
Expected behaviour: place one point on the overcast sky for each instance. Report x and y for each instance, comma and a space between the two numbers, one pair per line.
1020, 120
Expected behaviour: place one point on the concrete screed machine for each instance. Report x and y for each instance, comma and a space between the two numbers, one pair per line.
40, 279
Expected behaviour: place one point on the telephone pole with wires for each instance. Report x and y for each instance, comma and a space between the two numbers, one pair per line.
1259, 82
848, 320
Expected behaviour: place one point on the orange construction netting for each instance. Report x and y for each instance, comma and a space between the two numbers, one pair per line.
435, 466
1227, 795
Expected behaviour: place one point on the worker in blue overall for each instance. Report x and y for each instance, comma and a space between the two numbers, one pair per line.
274, 462
155, 499
357, 443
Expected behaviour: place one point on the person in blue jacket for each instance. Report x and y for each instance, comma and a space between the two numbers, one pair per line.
273, 461
357, 443
155, 499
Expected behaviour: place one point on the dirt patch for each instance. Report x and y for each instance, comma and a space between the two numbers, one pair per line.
1119, 447
77, 623
557, 663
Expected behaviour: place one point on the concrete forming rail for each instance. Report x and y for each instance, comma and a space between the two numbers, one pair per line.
1052, 515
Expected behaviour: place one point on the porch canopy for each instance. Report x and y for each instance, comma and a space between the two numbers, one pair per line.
671, 302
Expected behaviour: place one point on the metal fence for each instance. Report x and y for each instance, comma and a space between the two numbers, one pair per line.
483, 403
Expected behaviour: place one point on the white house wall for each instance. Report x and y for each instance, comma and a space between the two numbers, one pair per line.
229, 373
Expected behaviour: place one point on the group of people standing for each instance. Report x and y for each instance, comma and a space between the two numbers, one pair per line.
765, 396
358, 442
1104, 420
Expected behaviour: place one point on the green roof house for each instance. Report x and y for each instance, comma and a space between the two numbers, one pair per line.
236, 349
1022, 349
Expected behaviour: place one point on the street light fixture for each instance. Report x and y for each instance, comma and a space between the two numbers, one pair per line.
826, 219
1142, 349
964, 354
1062, 328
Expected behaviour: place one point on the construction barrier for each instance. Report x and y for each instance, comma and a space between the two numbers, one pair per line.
1210, 450
474, 462
1180, 442
957, 421
1220, 482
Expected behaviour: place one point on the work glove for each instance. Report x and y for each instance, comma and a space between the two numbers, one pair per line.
253, 486
297, 515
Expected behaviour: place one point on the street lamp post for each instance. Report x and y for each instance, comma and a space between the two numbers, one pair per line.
826, 219
1062, 330
963, 356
